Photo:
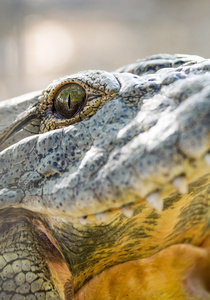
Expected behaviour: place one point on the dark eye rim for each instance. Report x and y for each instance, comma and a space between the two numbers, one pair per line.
82, 105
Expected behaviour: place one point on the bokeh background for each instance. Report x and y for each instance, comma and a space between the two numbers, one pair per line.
41, 40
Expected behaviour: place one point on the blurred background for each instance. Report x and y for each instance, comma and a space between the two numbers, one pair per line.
44, 39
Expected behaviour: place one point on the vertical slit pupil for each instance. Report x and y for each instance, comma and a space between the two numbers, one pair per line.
69, 101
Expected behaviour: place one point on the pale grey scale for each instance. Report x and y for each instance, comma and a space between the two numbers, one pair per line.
109, 124
46, 146
183, 89
160, 104
91, 163
12, 169
9, 197
104, 81
145, 120
138, 173
171, 76
111, 121
148, 133
30, 180
194, 137
10, 109
76, 140
73, 194
200, 68
100, 81
60, 148
148, 66
13, 161
15, 106
134, 87
157, 62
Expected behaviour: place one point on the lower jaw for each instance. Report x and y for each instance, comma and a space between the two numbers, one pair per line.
180, 271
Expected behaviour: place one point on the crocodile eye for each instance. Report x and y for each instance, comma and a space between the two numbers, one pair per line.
69, 100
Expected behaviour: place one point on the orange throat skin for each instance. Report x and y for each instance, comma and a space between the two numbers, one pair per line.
177, 272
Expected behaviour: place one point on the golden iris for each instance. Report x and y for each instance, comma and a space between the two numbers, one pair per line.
69, 100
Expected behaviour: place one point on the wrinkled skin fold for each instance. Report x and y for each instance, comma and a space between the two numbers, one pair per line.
113, 201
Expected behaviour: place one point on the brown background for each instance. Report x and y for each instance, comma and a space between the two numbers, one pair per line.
43, 39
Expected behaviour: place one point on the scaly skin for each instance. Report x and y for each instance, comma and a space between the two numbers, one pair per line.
115, 202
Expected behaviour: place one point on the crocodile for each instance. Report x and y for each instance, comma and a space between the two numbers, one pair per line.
104, 186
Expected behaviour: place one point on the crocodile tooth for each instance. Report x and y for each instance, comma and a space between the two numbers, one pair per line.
82, 220
180, 183
156, 201
41, 98
207, 158
127, 211
102, 217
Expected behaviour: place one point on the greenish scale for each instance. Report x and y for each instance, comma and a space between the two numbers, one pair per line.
69, 100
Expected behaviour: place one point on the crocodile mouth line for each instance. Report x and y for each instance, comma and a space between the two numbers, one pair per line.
180, 187
180, 184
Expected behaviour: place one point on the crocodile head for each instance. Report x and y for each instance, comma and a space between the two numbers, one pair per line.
102, 173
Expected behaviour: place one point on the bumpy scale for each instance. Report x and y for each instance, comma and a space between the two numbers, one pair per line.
104, 186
